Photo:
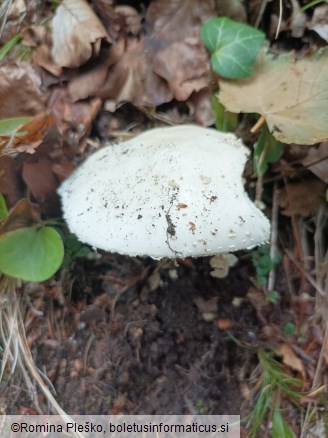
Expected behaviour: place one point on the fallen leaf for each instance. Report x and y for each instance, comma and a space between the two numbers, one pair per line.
301, 198
207, 306
289, 358
10, 182
132, 78
221, 264
23, 214
42, 57
174, 20
234, 9
39, 178
27, 137
148, 69
184, 66
39, 175
200, 107
77, 33
33, 35
174, 46
21, 92
298, 20
317, 161
225, 324
73, 118
119, 20
292, 95
319, 21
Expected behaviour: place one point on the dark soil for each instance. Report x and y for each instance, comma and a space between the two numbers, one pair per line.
133, 339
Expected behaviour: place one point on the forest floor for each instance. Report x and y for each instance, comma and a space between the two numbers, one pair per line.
116, 334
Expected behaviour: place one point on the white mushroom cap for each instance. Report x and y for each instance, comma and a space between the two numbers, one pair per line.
169, 192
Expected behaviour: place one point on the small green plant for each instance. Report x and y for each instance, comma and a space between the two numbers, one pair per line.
29, 249
224, 120
266, 150
274, 384
289, 329
263, 263
311, 4
74, 249
233, 46
273, 297
9, 46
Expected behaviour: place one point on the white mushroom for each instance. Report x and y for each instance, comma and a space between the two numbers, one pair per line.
169, 192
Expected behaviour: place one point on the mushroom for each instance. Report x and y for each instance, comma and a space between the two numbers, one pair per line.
170, 192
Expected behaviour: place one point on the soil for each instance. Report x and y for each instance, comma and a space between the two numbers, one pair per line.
132, 336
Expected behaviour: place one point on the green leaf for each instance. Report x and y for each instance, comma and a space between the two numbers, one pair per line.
279, 426
266, 150
273, 297
31, 253
224, 120
233, 46
9, 45
9, 126
3, 208
289, 329
289, 91
74, 249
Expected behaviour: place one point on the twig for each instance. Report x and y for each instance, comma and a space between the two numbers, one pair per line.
261, 12
280, 19
311, 280
316, 380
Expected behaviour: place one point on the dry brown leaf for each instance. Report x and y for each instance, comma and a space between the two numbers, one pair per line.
21, 92
23, 214
234, 9
317, 161
174, 46
207, 306
73, 116
132, 79
319, 21
38, 174
10, 184
289, 358
33, 35
175, 20
184, 65
225, 324
291, 94
200, 107
77, 33
297, 20
167, 61
29, 136
301, 198
42, 57
39, 178
221, 264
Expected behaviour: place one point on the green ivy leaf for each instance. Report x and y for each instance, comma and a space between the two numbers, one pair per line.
31, 253
233, 46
